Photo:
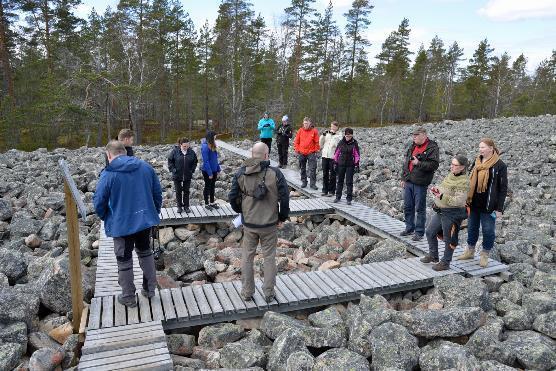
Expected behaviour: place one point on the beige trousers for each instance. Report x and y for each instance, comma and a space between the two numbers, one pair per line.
268, 237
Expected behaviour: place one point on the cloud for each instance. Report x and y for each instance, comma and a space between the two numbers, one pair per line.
513, 10
84, 10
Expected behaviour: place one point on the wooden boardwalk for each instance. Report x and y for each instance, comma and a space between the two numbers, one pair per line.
199, 214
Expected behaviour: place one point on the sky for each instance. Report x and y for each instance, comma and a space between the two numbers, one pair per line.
513, 26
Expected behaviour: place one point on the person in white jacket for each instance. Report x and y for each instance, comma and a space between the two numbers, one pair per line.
328, 141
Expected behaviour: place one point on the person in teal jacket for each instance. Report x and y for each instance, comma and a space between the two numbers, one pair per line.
266, 127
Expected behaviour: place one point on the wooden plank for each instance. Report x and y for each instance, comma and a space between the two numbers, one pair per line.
195, 211
144, 309
389, 275
115, 356
202, 302
190, 302
164, 213
123, 332
202, 211
344, 280
181, 309
378, 275
120, 317
108, 311
410, 270
359, 278
344, 273
312, 296
94, 316
213, 301
280, 297
132, 315
132, 364
313, 286
156, 306
340, 291
293, 288
223, 298
330, 293
259, 287
233, 290
236, 300
167, 304
290, 297
408, 276
378, 283
259, 300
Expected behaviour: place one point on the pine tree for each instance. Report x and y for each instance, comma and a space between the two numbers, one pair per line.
476, 90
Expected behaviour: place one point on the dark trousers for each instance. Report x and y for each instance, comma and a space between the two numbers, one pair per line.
310, 159
328, 175
438, 225
345, 172
487, 222
182, 192
283, 152
268, 142
415, 201
208, 191
123, 249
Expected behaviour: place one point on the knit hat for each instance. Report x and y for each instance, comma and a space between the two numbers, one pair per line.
285, 118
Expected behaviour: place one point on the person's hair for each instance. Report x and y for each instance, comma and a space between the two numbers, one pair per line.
183, 140
489, 142
335, 123
462, 160
348, 131
124, 134
210, 140
306, 118
259, 154
115, 148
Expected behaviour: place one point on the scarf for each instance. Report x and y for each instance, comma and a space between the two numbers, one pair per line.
479, 175
416, 151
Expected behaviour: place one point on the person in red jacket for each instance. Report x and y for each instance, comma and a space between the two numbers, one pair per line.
306, 145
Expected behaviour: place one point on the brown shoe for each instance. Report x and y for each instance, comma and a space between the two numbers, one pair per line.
483, 262
441, 266
467, 254
428, 259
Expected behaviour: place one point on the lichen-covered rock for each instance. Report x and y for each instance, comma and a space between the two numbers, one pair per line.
393, 347
300, 361
532, 350
14, 333
39, 340
538, 303
513, 291
384, 251
341, 359
449, 322
287, 343
444, 355
216, 336
495, 366
544, 282
518, 320
242, 354
329, 317
46, 359
463, 292
13, 264
546, 324
485, 343
273, 324
186, 258
10, 353
523, 273
180, 344
18, 305
186, 364
6, 210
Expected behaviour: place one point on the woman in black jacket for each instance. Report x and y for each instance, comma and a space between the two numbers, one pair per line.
182, 162
346, 161
488, 187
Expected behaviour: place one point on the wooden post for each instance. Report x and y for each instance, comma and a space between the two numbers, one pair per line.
74, 258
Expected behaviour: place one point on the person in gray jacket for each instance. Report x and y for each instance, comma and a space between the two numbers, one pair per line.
260, 194
328, 142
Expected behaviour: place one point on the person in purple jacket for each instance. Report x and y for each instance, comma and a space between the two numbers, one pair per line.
346, 161
210, 168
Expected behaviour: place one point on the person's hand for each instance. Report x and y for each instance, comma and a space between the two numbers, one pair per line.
402, 183
356, 169
498, 214
210, 176
415, 161
280, 225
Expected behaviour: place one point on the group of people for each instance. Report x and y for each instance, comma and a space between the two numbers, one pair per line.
478, 197
340, 155
128, 197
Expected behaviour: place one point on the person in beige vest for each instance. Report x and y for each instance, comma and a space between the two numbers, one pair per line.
328, 141
260, 194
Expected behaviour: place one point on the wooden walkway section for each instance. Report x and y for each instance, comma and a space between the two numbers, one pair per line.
217, 302
381, 224
200, 215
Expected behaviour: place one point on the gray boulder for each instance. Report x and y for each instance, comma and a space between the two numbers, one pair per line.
18, 305
393, 347
341, 359
242, 354
10, 353
495, 366
6, 210
503, 306
186, 258
450, 322
46, 359
546, 324
443, 355
180, 344
273, 324
463, 292
544, 282
13, 264
216, 336
522, 272
532, 350
287, 343
187, 364
518, 320
300, 361
23, 226
14, 333
538, 303
485, 343
384, 251
329, 317
513, 291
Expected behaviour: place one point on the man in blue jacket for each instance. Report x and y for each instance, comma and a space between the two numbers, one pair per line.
128, 199
266, 127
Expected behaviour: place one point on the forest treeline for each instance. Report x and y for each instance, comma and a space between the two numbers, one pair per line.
69, 81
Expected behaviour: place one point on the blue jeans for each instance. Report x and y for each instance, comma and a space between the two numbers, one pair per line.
415, 200
487, 222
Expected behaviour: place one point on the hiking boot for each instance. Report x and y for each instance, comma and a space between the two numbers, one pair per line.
428, 259
208, 207
303, 184
128, 302
324, 193
313, 186
246, 297
180, 210
187, 210
348, 202
406, 233
215, 206
468, 253
441, 266
147, 294
336, 200
483, 261
269, 298
417, 237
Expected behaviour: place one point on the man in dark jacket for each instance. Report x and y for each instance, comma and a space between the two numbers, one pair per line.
128, 198
283, 136
260, 193
182, 162
420, 162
